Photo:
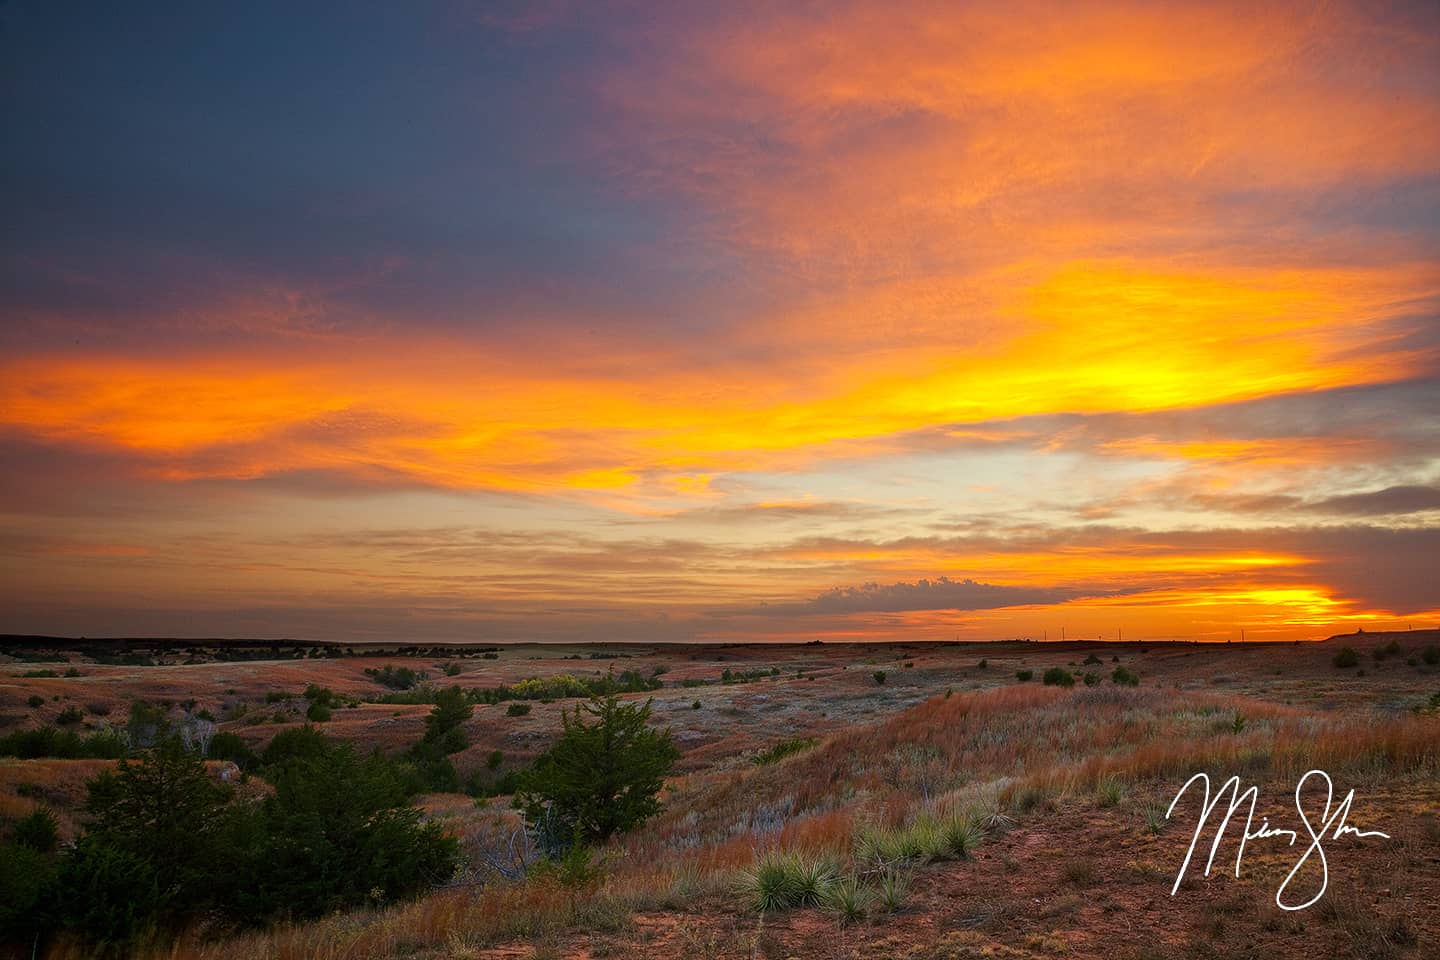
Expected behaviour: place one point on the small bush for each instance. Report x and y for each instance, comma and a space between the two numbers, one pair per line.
1024, 676
1090, 661
1124, 678
1431, 655
69, 715
517, 710
1091, 678
39, 831
1346, 658
984, 664
36, 701
317, 713
781, 750
1059, 677
879, 676
493, 761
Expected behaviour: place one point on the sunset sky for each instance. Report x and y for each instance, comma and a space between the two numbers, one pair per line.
719, 321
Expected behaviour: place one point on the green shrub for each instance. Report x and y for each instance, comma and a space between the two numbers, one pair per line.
38, 830
297, 743
1346, 658
782, 749
983, 664
27, 894
1124, 678
517, 710
35, 700
1091, 678
1024, 676
228, 746
336, 832
317, 713
1431, 655
71, 714
493, 761
64, 744
879, 676
402, 678
1059, 677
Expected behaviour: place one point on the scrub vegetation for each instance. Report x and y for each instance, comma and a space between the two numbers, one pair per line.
805, 811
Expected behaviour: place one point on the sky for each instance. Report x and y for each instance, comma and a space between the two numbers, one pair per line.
686, 321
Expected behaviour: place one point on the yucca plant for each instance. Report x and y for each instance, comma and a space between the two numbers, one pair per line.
770, 884
960, 835
878, 845
779, 881
894, 886
814, 876
849, 899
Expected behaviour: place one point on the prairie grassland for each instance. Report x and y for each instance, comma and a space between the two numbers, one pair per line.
953, 812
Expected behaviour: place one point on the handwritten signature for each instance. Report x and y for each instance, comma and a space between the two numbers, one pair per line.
1332, 826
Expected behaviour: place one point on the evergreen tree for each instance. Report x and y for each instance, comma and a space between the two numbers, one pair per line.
602, 777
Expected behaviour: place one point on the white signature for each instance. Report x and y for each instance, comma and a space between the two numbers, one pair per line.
1265, 831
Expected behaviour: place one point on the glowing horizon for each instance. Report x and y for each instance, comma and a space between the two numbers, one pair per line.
587, 322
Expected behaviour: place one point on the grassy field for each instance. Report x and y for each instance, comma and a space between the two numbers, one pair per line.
903, 800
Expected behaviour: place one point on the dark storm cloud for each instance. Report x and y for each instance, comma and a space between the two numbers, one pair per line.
197, 172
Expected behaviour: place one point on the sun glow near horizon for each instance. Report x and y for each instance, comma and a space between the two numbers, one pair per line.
747, 323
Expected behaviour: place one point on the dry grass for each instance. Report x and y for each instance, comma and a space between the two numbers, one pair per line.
892, 771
